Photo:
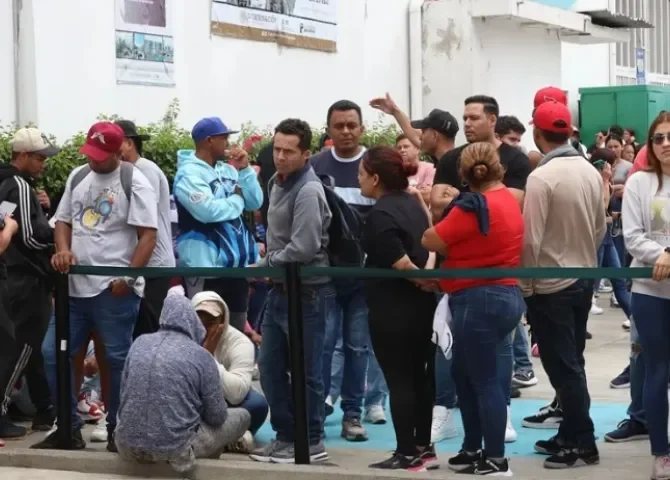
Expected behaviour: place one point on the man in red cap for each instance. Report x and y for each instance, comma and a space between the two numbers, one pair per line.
564, 218
106, 217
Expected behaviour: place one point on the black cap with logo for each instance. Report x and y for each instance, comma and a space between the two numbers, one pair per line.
440, 121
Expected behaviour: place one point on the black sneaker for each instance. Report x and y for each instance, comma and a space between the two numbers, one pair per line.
111, 443
627, 431
486, 466
514, 392
553, 446
401, 462
52, 442
15, 414
9, 431
429, 458
588, 336
548, 417
524, 379
44, 420
463, 460
622, 380
573, 457
329, 410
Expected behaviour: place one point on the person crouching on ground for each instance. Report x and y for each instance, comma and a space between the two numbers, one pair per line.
171, 404
234, 354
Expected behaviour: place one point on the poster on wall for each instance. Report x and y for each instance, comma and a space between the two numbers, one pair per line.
144, 43
310, 24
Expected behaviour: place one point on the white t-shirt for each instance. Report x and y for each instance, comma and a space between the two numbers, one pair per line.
104, 225
163, 253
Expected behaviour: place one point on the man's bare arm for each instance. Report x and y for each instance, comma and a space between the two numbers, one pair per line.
388, 106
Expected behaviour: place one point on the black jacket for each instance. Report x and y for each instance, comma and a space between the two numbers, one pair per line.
31, 248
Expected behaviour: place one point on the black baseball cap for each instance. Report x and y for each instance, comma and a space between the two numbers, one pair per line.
130, 130
440, 121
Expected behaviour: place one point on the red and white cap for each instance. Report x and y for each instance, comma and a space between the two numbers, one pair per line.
103, 140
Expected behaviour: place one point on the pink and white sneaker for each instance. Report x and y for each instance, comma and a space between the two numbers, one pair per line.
88, 412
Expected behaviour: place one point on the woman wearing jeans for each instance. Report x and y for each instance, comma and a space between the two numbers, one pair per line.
482, 229
646, 231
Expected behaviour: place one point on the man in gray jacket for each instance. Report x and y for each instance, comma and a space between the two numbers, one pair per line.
298, 221
171, 408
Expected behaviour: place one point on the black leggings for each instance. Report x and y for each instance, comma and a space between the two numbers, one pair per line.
401, 339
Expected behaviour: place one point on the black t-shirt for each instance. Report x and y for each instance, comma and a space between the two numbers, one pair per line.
393, 228
515, 162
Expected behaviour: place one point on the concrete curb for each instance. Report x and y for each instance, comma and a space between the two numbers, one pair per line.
108, 464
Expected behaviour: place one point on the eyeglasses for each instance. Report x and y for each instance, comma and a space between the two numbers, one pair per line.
660, 138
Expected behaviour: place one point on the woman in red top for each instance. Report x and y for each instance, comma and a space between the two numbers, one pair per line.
483, 228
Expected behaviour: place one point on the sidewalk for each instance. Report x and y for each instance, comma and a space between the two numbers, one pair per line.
606, 355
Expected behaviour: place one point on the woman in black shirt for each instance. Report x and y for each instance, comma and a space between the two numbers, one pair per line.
400, 310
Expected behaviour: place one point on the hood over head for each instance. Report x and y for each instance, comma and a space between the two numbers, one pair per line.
179, 315
211, 303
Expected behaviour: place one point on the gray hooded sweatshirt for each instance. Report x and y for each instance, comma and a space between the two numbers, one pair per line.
170, 384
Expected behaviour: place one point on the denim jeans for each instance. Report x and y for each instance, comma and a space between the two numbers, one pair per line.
114, 319
445, 390
258, 408
506, 365
522, 363
483, 319
376, 391
350, 316
609, 257
637, 373
652, 315
559, 327
318, 301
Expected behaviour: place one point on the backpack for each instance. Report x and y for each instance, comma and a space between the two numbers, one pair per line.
344, 232
127, 170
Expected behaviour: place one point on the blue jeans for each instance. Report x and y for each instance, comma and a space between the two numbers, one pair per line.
652, 319
483, 319
258, 408
522, 363
318, 301
350, 315
609, 257
445, 390
637, 373
506, 365
114, 319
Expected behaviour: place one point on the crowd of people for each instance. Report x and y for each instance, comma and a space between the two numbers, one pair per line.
166, 366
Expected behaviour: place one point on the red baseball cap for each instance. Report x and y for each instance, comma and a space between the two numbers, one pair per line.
550, 94
103, 139
553, 117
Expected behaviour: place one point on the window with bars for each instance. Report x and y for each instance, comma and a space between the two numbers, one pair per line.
655, 41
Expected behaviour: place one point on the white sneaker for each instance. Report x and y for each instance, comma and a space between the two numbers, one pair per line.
614, 303
245, 444
99, 433
660, 469
375, 415
604, 287
595, 309
625, 324
510, 433
444, 425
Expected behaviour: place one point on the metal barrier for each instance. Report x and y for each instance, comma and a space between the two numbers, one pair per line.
291, 275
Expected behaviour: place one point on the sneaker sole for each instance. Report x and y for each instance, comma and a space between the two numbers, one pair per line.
620, 387
354, 438
609, 439
458, 468
260, 458
525, 383
319, 457
376, 422
541, 426
579, 463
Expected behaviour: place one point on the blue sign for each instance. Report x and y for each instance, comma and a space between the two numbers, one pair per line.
640, 69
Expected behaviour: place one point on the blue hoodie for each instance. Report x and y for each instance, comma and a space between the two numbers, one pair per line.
170, 384
212, 232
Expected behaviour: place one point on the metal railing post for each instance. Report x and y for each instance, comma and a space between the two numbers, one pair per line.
297, 353
63, 365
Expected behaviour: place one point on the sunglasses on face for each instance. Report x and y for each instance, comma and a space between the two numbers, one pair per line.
660, 138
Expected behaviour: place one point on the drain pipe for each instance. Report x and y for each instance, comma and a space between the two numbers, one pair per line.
415, 59
16, 17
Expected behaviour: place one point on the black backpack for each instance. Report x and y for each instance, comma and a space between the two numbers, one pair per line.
344, 232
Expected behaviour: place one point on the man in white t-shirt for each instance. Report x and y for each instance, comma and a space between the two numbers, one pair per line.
106, 217
156, 289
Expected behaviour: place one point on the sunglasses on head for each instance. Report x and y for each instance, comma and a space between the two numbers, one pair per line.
660, 138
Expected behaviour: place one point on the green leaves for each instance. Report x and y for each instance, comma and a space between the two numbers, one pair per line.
166, 138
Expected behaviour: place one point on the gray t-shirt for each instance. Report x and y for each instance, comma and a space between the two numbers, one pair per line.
163, 253
620, 172
104, 225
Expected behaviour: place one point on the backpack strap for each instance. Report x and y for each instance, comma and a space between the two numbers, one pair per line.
127, 171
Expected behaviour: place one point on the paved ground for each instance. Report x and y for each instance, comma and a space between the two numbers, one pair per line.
606, 355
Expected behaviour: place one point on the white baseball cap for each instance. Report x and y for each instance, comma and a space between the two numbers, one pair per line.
32, 140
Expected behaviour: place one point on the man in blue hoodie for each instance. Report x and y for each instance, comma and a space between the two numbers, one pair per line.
171, 408
211, 195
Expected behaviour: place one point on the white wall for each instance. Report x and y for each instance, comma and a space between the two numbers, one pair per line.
236, 79
492, 57
7, 108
